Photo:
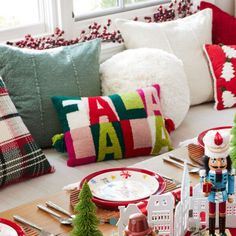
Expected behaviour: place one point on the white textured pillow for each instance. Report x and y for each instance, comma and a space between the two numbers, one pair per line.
138, 68
185, 39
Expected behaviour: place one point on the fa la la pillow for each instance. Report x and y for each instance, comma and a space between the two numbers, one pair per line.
112, 127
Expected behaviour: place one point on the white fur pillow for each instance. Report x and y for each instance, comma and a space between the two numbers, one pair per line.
185, 39
138, 68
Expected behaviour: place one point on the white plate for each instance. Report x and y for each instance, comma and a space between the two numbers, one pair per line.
7, 230
124, 184
10, 228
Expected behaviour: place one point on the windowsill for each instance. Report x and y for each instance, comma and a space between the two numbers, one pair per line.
13, 34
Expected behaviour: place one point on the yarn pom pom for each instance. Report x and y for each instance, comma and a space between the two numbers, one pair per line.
58, 143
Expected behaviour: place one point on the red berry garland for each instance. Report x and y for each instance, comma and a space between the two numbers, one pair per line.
95, 30
176, 9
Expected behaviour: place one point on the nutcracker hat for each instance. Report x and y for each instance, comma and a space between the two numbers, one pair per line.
217, 143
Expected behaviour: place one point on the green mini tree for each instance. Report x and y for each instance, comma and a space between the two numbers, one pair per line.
85, 222
233, 144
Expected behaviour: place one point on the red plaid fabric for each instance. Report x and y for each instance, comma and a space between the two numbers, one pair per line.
20, 157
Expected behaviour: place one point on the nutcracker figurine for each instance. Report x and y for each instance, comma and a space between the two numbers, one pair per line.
218, 177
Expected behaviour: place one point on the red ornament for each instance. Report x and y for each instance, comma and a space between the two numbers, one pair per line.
218, 139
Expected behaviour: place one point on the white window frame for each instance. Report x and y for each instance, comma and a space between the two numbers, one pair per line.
73, 26
59, 13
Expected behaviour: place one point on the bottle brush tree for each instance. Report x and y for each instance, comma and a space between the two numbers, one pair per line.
85, 222
233, 144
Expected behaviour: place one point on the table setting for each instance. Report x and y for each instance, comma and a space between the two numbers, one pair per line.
112, 188
156, 184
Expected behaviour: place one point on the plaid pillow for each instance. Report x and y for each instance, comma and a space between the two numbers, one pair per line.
20, 157
112, 127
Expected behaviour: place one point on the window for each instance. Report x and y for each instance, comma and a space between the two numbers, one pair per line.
18, 18
82, 7
93, 8
15, 13
128, 2
37, 17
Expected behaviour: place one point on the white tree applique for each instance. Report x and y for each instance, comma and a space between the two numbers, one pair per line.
228, 99
228, 71
229, 51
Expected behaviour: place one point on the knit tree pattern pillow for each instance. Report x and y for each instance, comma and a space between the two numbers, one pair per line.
222, 60
20, 157
112, 127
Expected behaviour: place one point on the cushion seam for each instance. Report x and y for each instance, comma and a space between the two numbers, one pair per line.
76, 73
38, 92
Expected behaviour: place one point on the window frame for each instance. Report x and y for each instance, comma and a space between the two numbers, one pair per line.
119, 9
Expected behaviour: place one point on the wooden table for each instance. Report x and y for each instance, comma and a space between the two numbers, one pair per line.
30, 211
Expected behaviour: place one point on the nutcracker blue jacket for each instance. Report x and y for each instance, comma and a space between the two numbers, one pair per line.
220, 189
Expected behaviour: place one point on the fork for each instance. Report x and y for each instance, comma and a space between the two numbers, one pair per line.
63, 221
42, 232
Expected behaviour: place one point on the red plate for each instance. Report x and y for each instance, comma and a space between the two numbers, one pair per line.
13, 226
202, 134
161, 185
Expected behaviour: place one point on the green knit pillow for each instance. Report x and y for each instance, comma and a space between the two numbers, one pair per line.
33, 77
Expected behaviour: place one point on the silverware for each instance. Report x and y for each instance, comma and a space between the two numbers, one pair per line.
182, 161
42, 232
60, 209
63, 221
178, 164
54, 206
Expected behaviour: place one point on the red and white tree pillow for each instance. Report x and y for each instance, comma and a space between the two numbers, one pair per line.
222, 61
